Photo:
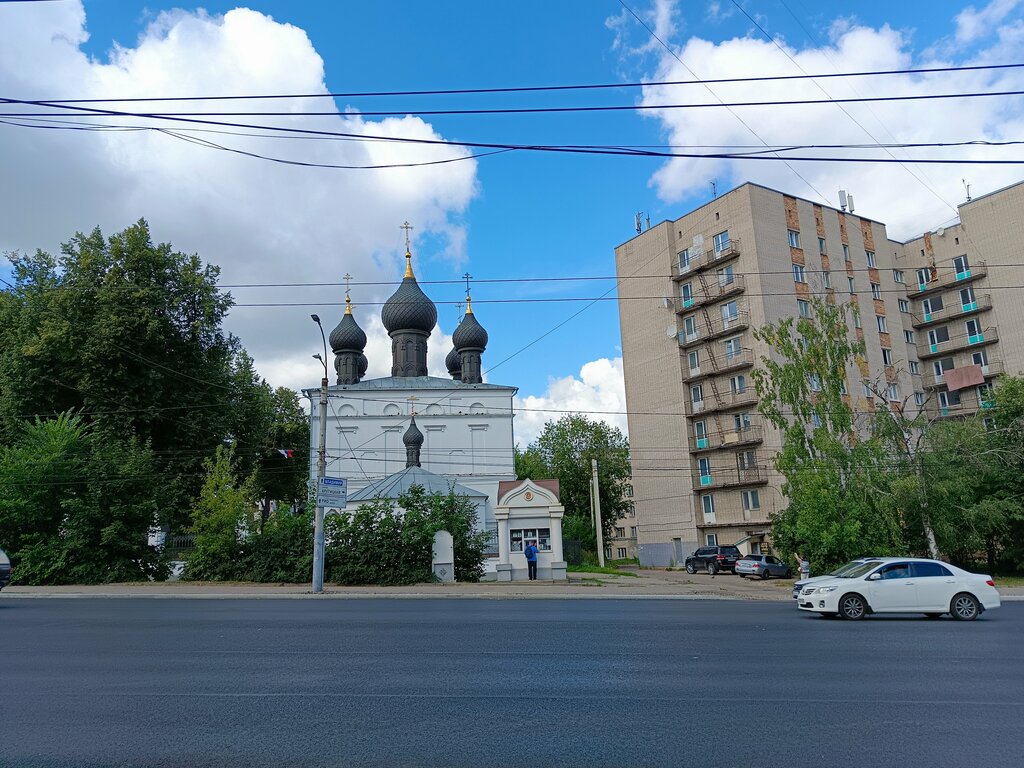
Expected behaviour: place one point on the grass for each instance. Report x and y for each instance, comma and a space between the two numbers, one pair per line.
1009, 581
607, 570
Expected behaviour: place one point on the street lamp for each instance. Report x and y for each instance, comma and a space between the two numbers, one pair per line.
321, 471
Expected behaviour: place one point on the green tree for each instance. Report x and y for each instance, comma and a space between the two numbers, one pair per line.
836, 471
220, 520
75, 507
564, 451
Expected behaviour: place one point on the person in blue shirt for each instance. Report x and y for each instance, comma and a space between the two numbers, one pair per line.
531, 559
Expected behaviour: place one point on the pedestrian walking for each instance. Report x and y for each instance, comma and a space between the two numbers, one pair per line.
531, 560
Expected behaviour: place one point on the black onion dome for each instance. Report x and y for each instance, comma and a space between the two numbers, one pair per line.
413, 436
453, 362
363, 364
409, 309
470, 334
347, 334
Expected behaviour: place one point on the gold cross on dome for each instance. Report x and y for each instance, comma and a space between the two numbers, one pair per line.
348, 281
407, 227
412, 404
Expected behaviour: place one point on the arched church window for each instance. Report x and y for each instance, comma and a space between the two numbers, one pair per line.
392, 410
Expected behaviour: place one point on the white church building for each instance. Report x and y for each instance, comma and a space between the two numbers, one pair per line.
412, 428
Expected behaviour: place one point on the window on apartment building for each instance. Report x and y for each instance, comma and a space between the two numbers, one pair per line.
908, 336
961, 266
826, 279
868, 392
707, 505
741, 422
967, 299
989, 422
686, 293
849, 282
886, 356
932, 305
984, 392
939, 367
894, 393
700, 433
751, 500
711, 539
690, 327
923, 276
632, 531
980, 358
856, 319
897, 275
876, 291
684, 259
804, 307
799, 273
621, 552
973, 328
746, 460
738, 384
733, 347
794, 238
814, 382
821, 245
938, 335
880, 322
904, 305
919, 398
620, 533
629, 491
846, 252
694, 359
915, 367
721, 241
870, 257
948, 399
697, 394
726, 276
704, 467
730, 313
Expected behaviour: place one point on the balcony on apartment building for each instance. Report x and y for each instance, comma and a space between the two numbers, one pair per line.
710, 258
934, 344
954, 311
727, 477
966, 403
714, 401
711, 324
989, 369
709, 289
710, 365
948, 279
751, 434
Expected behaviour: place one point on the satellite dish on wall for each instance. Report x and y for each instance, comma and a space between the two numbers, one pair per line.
940, 231
671, 331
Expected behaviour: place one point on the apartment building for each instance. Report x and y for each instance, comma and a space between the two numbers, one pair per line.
622, 545
691, 292
964, 285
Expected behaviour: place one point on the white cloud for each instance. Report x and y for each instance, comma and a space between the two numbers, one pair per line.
598, 393
972, 24
884, 191
261, 222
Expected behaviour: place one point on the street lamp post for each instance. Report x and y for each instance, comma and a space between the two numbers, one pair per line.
321, 471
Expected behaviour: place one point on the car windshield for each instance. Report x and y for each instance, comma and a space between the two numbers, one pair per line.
860, 569
751, 557
842, 569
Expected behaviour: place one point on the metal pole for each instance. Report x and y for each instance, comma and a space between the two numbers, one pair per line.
597, 513
321, 471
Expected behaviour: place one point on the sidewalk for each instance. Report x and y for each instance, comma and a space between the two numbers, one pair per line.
646, 585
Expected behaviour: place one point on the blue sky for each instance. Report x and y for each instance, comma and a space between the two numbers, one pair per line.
514, 215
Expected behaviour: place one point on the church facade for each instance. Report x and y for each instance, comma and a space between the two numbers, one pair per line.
466, 425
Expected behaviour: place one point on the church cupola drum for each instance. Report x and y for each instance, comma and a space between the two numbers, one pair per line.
470, 341
409, 317
348, 342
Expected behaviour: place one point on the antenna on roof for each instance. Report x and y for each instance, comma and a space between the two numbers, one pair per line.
967, 187
639, 221
842, 199
849, 199
714, 187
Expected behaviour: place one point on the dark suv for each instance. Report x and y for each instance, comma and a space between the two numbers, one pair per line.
5, 569
713, 560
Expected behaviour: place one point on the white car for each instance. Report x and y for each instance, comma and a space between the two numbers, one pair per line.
902, 585
841, 570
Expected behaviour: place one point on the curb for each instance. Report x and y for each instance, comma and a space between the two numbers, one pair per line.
348, 596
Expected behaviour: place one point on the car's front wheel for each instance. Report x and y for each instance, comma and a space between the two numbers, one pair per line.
964, 607
712, 569
765, 574
691, 568
852, 607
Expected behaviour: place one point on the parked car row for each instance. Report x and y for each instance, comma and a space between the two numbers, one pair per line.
730, 559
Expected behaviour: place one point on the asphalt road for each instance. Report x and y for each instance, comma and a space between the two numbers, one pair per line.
171, 682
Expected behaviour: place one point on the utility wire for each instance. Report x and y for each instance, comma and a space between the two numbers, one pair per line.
539, 88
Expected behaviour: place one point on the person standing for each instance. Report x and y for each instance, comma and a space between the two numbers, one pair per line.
531, 560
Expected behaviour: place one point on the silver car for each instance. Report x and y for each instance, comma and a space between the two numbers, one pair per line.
764, 566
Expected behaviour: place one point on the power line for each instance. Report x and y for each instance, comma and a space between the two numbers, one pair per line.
550, 110
539, 88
